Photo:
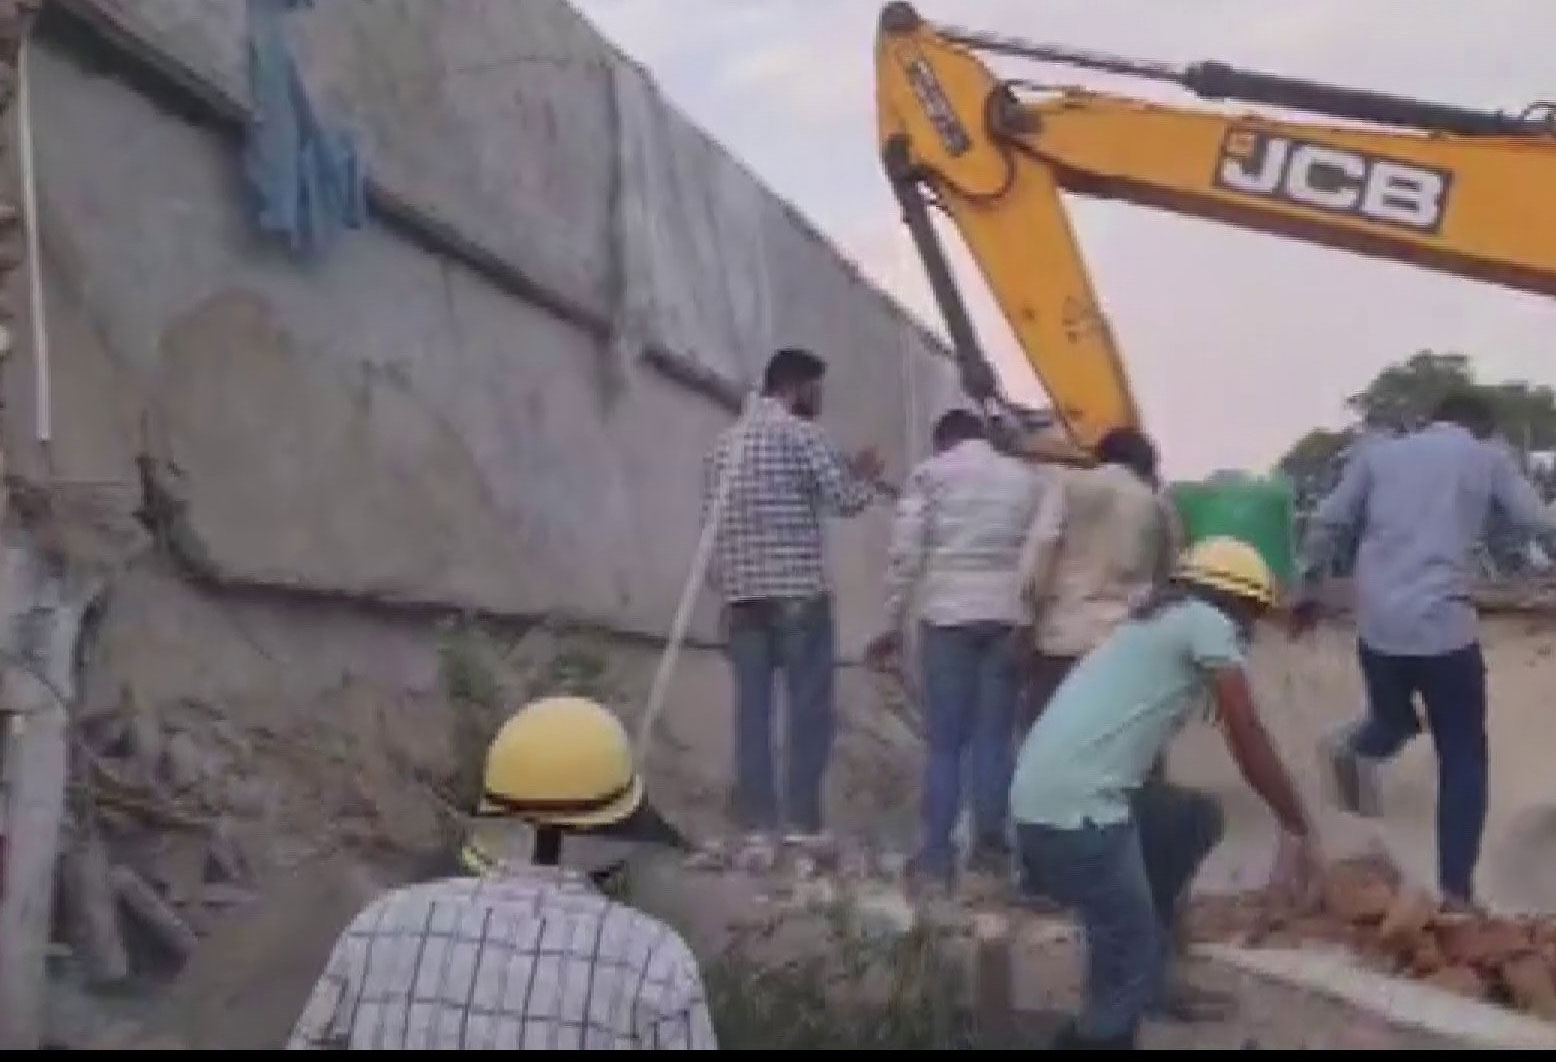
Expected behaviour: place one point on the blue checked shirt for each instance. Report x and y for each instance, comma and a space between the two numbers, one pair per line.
1420, 503
786, 475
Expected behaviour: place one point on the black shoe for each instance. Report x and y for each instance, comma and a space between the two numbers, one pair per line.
1070, 1039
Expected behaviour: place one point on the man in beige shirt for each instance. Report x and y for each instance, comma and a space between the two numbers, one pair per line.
1094, 547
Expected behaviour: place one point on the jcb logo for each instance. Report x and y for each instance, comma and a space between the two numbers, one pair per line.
1333, 179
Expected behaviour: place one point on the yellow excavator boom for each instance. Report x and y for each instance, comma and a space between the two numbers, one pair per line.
1466, 192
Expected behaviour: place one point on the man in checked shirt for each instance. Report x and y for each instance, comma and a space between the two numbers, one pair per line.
783, 475
524, 955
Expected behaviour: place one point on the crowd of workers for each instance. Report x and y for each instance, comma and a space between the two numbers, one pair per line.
1064, 635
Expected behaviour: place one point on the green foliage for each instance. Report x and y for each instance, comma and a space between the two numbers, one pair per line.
1403, 395
852, 993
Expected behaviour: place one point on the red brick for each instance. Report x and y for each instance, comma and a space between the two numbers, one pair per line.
1528, 981
1485, 942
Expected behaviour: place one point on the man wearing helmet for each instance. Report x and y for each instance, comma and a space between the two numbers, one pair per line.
1092, 834
525, 955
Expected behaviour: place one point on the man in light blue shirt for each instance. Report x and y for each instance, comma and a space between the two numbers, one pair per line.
1093, 833
1419, 504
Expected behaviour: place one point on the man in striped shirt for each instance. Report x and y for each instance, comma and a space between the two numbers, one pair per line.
524, 956
773, 477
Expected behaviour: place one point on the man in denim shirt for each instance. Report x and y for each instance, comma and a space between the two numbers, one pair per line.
1419, 504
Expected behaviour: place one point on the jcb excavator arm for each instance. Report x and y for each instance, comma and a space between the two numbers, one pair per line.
1459, 191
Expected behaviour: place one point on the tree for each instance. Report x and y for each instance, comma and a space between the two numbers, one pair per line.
1402, 397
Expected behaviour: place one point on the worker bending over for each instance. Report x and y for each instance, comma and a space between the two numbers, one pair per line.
524, 956
1099, 542
783, 476
1417, 505
1092, 835
956, 543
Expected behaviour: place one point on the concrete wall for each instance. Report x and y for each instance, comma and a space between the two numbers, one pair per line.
387, 423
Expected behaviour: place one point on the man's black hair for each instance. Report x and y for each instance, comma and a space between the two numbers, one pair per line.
956, 426
1131, 448
791, 367
1469, 411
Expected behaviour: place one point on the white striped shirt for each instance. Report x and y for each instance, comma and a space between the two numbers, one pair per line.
524, 958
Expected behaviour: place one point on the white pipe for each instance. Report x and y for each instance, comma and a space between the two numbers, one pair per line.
694, 579
40, 332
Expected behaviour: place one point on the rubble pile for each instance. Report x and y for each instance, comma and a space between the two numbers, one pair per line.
1366, 908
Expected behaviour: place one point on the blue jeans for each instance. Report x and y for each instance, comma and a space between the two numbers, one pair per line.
1453, 688
795, 637
1125, 881
970, 689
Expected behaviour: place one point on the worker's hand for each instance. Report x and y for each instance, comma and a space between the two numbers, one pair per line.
867, 464
884, 653
1297, 876
1302, 618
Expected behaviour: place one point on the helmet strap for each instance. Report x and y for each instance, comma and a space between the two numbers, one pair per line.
548, 846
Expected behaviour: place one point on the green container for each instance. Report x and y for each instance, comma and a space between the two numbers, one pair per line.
1260, 511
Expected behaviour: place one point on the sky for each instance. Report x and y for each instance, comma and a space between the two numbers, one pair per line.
1236, 343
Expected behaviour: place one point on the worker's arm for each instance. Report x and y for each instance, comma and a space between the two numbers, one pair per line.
909, 540
1215, 648
835, 484
1042, 541
1256, 757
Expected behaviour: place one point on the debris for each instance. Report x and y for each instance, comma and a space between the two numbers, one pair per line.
90, 912
885, 915
182, 764
1359, 890
1528, 981
1486, 942
142, 901
1406, 922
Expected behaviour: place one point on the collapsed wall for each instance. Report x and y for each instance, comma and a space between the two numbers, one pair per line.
338, 514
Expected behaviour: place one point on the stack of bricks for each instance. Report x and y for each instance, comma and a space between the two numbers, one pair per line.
1366, 908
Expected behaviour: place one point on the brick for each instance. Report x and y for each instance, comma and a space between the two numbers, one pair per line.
1404, 926
1528, 981
1460, 980
1357, 892
1428, 958
1485, 942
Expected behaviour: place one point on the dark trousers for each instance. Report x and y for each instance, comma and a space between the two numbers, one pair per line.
1125, 881
1453, 689
1045, 673
969, 699
795, 638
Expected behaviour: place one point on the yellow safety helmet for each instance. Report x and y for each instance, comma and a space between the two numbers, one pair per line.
562, 761
566, 762
1229, 565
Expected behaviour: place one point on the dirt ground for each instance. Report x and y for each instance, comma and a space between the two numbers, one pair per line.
1305, 688
257, 961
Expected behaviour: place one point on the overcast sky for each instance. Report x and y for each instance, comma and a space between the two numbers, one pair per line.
1236, 342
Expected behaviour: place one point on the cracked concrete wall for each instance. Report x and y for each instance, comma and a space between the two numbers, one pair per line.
386, 424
